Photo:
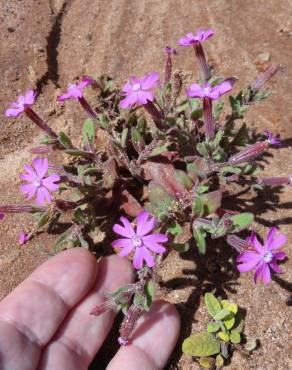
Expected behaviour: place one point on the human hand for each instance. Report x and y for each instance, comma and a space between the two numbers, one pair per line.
45, 322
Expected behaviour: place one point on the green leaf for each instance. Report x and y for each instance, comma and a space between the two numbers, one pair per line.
199, 235
184, 179
124, 137
197, 113
150, 288
103, 120
65, 141
250, 345
230, 169
88, 132
174, 228
235, 337
241, 221
79, 153
181, 248
64, 238
223, 336
211, 201
213, 327
198, 207
137, 140
229, 323
212, 303
217, 109
43, 220
201, 345
206, 362
232, 307
223, 314
158, 150
78, 216
219, 361
202, 188
150, 292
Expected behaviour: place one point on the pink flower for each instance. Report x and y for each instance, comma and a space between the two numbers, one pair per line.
75, 91
207, 91
263, 257
191, 39
23, 101
144, 245
23, 238
170, 50
136, 91
272, 139
37, 182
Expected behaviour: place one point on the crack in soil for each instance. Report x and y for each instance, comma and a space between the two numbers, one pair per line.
53, 41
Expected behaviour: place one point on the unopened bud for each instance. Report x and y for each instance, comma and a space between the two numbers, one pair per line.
18, 208
237, 243
129, 323
248, 153
274, 181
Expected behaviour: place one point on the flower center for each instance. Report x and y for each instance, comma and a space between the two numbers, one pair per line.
37, 182
136, 87
137, 241
268, 256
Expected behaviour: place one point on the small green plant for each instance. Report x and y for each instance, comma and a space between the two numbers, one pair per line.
224, 335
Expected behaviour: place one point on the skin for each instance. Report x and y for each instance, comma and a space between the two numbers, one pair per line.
46, 323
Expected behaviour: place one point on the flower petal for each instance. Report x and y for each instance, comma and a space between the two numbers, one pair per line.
144, 226
271, 234
14, 112
138, 258
195, 91
222, 88
48, 182
129, 101
122, 243
43, 196
252, 239
28, 189
148, 257
155, 247
41, 166
155, 238
127, 230
149, 81
247, 261
280, 255
275, 267
263, 273
29, 97
277, 242
144, 96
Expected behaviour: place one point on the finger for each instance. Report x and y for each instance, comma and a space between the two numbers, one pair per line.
81, 334
152, 341
31, 314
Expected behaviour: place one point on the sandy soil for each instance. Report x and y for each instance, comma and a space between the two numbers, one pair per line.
45, 44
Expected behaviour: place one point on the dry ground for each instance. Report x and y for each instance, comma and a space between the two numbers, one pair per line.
47, 43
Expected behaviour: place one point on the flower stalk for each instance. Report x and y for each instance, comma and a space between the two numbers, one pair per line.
208, 119
35, 118
202, 61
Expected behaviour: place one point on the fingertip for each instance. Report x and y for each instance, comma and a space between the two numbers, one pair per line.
114, 271
152, 342
157, 335
70, 273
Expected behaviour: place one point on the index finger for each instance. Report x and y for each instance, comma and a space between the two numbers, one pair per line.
31, 314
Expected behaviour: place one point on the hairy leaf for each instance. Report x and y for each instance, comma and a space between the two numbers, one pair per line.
201, 345
212, 303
